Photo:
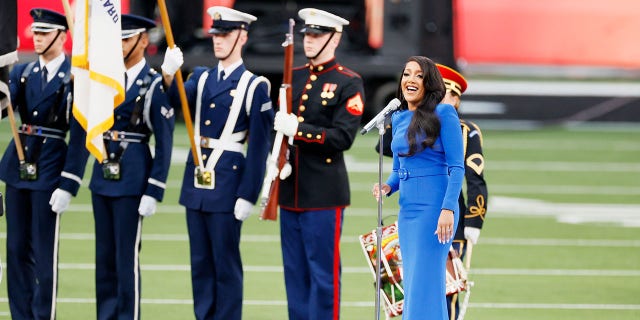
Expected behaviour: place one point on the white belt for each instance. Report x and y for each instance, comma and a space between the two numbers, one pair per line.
211, 143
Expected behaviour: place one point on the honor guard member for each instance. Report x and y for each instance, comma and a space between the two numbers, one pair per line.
474, 207
41, 92
232, 109
328, 101
127, 185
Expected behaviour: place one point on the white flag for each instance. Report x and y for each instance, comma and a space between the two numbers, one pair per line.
98, 69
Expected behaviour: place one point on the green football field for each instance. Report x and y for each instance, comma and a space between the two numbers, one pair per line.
561, 240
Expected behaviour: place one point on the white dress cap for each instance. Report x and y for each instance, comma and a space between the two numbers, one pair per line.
320, 20
227, 19
228, 14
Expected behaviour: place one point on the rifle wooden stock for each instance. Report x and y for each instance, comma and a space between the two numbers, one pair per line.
270, 209
280, 145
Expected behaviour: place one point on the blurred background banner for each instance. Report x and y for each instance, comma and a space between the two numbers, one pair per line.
553, 32
24, 19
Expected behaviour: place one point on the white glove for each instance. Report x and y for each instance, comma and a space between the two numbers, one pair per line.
471, 234
286, 123
173, 60
286, 171
60, 200
242, 210
272, 170
147, 206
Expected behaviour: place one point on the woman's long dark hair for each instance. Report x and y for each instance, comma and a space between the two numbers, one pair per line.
425, 124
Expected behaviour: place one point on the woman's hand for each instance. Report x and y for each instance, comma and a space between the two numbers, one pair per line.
377, 190
444, 231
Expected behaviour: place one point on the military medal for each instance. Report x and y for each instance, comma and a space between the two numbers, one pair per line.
328, 90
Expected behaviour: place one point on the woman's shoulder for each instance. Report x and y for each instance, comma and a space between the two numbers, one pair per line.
443, 108
400, 114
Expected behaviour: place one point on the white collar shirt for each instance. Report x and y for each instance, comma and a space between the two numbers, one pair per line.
229, 69
52, 66
133, 72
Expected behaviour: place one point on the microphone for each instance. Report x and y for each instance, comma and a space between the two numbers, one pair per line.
391, 106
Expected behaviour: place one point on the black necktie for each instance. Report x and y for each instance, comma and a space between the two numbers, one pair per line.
43, 80
221, 75
126, 80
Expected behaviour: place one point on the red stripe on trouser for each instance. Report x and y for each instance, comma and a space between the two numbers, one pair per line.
336, 265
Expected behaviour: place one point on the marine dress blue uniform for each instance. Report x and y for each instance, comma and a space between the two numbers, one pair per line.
439, 171
214, 232
328, 100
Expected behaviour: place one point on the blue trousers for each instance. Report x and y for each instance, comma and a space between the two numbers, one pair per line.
216, 265
32, 253
118, 228
311, 256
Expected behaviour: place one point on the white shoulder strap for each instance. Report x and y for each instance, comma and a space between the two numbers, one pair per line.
148, 97
234, 111
252, 89
196, 130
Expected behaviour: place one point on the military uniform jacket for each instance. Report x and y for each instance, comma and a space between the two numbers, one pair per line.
328, 100
235, 176
49, 108
475, 207
140, 173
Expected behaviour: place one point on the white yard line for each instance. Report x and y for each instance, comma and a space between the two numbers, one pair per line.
537, 189
369, 304
563, 166
366, 270
253, 238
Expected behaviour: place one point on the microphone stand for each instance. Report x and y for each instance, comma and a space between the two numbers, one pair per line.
381, 130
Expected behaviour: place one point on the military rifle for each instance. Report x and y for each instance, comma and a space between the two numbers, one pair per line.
278, 156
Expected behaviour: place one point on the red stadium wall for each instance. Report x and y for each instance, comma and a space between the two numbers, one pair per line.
555, 32
24, 19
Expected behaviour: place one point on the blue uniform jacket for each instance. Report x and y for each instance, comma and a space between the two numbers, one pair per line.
236, 176
50, 108
140, 173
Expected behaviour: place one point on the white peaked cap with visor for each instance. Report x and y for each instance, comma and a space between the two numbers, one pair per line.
226, 20
320, 21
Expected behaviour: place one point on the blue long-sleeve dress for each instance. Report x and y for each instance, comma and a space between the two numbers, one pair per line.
428, 181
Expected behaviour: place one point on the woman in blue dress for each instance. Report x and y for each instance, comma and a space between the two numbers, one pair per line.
428, 172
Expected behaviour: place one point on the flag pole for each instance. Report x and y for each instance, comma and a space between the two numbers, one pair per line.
68, 14
14, 130
164, 15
